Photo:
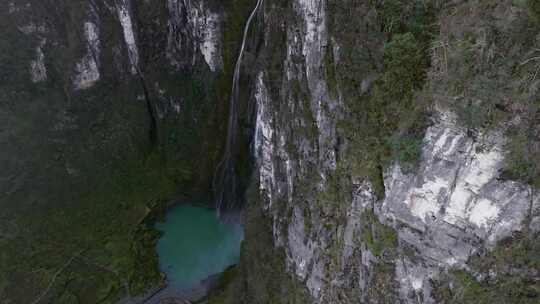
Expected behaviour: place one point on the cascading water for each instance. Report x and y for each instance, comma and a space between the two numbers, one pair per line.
225, 177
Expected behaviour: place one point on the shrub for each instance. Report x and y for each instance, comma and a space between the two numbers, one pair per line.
403, 63
383, 98
534, 8
394, 92
406, 150
523, 157
391, 13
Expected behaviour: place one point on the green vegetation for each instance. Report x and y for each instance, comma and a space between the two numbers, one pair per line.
402, 115
330, 71
379, 238
108, 226
82, 183
513, 262
534, 8
402, 61
381, 74
382, 241
222, 294
523, 157
486, 70
395, 106
469, 76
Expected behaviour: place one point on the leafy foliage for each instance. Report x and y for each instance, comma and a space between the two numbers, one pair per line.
388, 114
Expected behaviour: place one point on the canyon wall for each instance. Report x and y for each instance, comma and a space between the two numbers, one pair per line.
419, 203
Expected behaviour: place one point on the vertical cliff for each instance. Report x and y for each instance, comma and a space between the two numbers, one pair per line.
390, 168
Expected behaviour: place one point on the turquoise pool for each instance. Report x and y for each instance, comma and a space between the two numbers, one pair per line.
197, 244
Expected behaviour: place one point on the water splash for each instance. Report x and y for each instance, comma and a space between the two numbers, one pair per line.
225, 178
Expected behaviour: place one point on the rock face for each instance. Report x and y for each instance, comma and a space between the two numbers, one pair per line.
124, 11
37, 66
453, 207
280, 172
457, 188
194, 27
88, 68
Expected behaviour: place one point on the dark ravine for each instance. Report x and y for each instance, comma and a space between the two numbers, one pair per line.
153, 132
396, 147
225, 177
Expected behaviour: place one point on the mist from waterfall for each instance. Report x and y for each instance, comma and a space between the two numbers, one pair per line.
225, 177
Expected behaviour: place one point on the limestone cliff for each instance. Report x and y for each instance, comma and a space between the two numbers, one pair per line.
422, 235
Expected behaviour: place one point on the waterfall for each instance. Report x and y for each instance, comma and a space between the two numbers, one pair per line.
225, 178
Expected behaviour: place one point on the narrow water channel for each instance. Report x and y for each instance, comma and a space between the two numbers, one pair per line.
197, 244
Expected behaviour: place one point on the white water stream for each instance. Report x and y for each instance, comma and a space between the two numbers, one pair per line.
225, 178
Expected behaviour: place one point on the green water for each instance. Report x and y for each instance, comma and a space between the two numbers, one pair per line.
196, 244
